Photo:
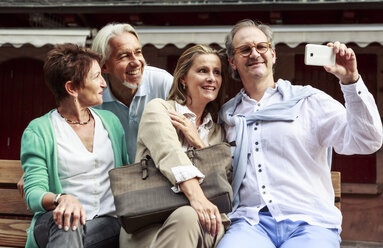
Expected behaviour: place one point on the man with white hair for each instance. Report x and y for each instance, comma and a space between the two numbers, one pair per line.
131, 83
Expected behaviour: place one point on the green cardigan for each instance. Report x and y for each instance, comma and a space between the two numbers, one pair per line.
39, 160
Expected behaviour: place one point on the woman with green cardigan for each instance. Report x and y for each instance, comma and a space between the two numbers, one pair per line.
67, 153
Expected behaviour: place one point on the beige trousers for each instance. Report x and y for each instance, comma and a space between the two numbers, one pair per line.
181, 229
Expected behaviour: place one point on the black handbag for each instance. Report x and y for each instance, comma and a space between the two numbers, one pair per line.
143, 196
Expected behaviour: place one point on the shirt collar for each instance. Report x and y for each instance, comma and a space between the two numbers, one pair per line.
107, 95
269, 92
207, 121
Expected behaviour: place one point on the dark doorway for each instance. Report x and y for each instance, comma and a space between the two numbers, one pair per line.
23, 97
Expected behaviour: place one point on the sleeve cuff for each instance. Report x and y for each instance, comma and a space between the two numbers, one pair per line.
184, 173
354, 92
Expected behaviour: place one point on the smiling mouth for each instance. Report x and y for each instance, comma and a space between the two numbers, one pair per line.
208, 88
255, 63
133, 72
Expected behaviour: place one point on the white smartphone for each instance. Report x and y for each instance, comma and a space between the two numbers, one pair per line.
319, 55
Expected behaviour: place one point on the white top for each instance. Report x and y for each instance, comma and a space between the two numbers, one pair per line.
84, 174
184, 173
287, 169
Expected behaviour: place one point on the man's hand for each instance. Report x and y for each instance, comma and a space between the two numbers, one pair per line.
345, 68
67, 208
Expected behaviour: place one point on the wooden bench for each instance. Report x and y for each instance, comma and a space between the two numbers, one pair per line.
336, 184
15, 218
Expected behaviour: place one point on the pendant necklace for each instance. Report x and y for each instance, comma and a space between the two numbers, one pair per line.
76, 122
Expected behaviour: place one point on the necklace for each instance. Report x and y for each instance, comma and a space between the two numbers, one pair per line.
76, 122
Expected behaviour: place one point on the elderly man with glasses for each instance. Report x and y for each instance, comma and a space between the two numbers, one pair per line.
284, 134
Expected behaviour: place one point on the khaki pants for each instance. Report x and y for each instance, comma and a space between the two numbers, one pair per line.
181, 229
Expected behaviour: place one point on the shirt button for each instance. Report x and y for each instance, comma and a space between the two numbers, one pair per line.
258, 104
263, 186
256, 123
359, 92
255, 128
259, 166
270, 201
264, 192
256, 143
259, 170
256, 149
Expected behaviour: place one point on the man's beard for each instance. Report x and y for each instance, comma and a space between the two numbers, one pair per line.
130, 85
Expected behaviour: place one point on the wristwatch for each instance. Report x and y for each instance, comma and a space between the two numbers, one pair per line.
57, 197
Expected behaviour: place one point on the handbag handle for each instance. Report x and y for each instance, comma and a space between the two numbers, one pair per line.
144, 169
191, 154
145, 162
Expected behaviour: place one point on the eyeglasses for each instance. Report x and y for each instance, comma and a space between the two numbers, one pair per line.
245, 50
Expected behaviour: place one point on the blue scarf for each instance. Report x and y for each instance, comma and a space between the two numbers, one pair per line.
287, 110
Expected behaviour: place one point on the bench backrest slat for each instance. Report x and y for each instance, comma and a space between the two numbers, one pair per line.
12, 203
10, 171
336, 184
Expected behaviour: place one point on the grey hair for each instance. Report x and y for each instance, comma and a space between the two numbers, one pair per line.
230, 36
100, 42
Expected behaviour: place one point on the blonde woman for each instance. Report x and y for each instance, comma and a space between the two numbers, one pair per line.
167, 130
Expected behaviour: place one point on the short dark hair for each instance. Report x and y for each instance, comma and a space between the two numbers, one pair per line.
67, 62
185, 61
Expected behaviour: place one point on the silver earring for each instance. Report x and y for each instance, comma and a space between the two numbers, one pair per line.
184, 86
75, 99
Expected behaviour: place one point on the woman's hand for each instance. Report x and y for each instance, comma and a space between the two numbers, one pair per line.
208, 213
67, 208
187, 128
345, 68
20, 186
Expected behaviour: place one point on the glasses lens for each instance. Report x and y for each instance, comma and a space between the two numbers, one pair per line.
245, 50
262, 47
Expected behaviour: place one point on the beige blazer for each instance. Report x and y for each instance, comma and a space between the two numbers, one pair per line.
158, 138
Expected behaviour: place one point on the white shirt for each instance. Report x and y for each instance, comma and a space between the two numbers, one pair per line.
184, 173
84, 174
288, 170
